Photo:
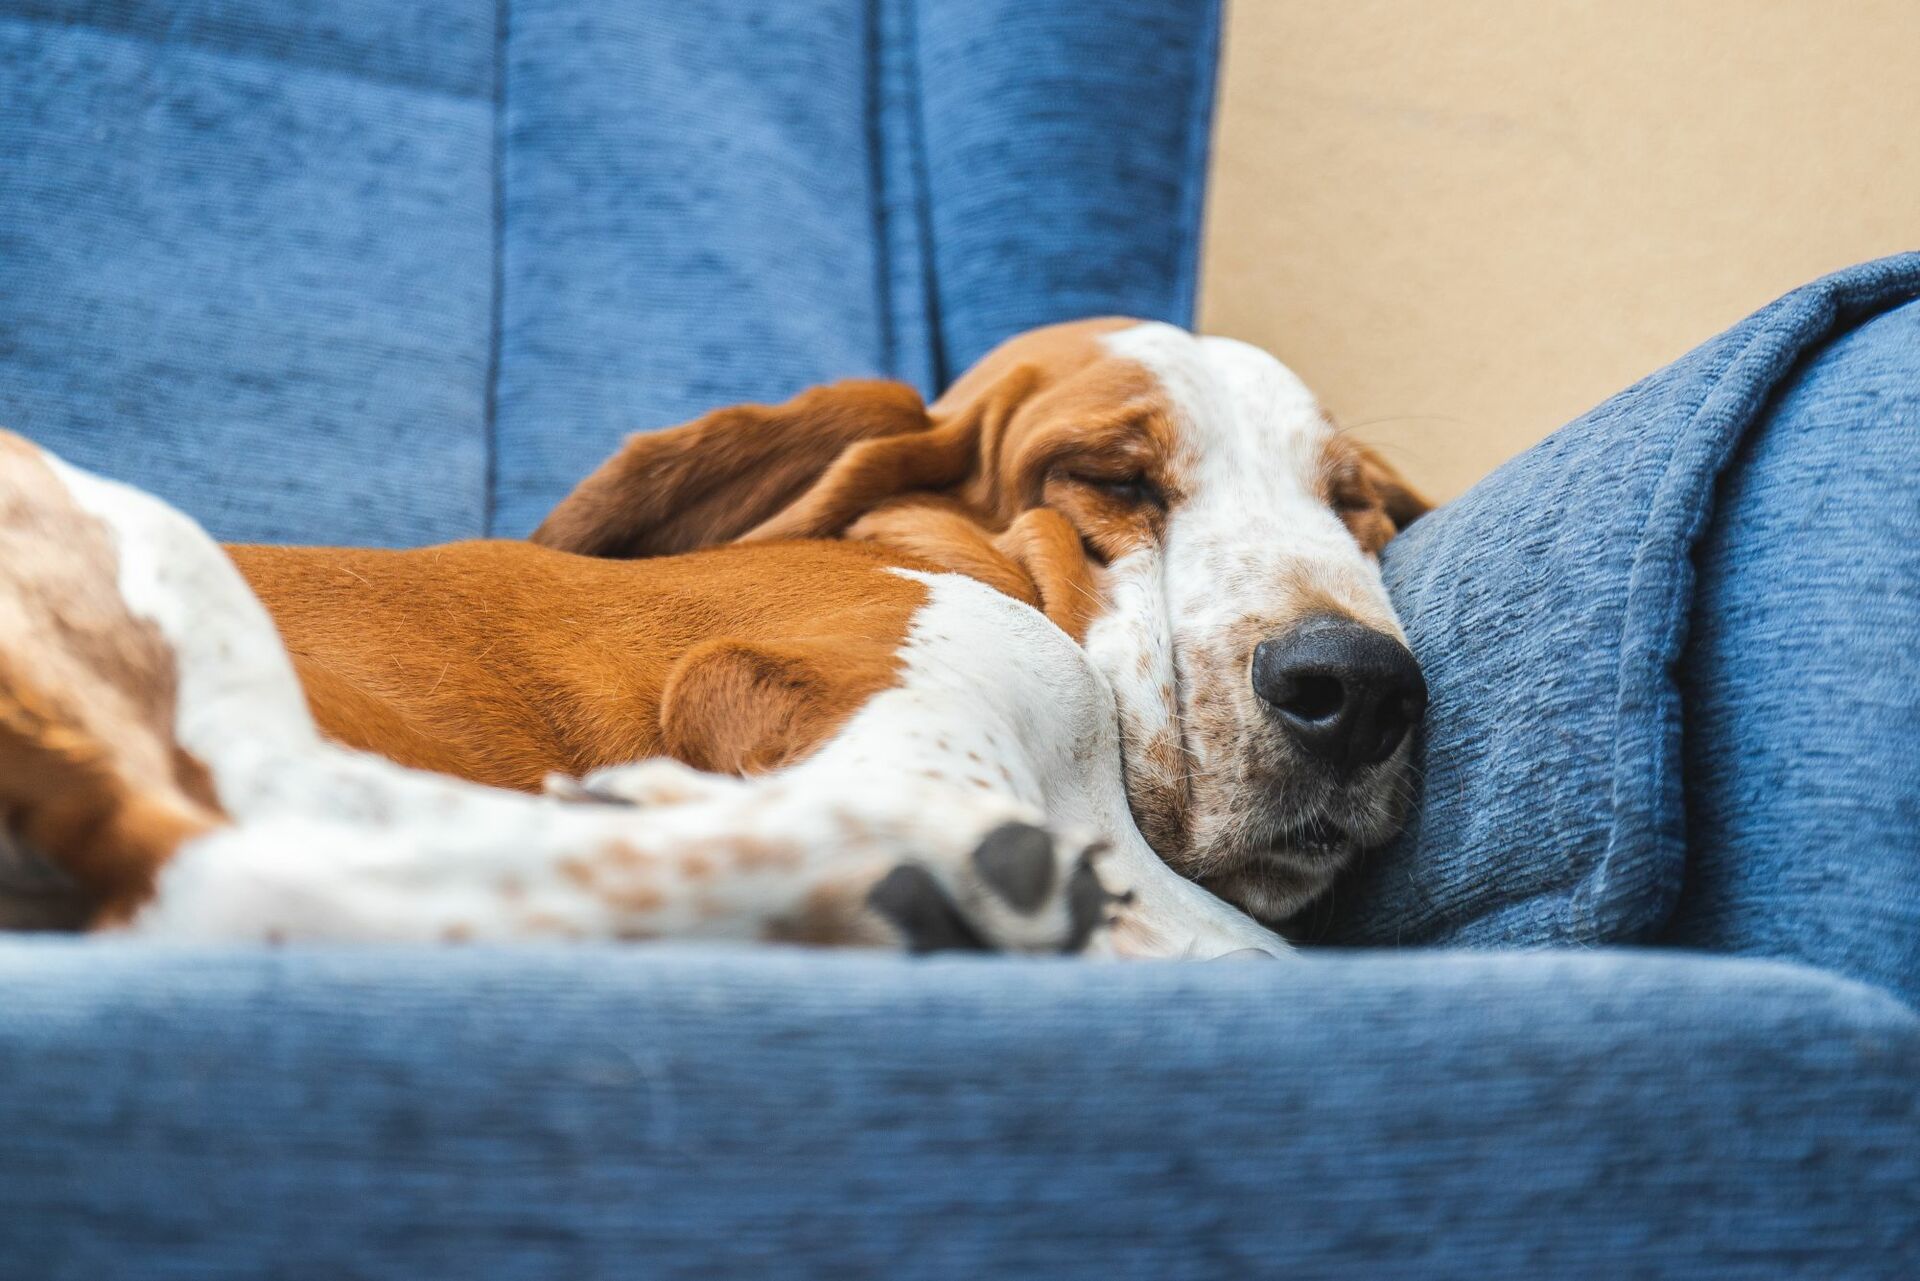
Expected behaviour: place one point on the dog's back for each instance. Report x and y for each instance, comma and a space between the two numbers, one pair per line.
502, 662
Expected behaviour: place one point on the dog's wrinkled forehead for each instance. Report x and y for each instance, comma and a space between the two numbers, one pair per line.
1244, 424
1271, 514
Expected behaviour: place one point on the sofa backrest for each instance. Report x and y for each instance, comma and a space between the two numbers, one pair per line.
365, 271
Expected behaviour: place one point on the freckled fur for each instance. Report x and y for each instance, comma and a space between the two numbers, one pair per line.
316, 841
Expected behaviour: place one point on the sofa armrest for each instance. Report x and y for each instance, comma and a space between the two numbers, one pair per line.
480, 1113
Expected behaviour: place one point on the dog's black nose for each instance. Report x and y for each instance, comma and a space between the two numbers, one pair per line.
1347, 694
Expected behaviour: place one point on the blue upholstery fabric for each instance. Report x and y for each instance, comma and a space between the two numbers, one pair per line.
1802, 676
1046, 164
1550, 605
713, 203
690, 221
360, 271
502, 1114
246, 249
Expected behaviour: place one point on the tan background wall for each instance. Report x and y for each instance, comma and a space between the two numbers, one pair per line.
1466, 221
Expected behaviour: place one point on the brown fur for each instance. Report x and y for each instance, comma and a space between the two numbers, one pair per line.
1039, 417
717, 477
716, 638
1045, 459
501, 661
1371, 497
1000, 480
1038, 558
90, 774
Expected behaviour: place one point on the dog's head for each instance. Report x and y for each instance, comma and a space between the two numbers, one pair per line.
1180, 504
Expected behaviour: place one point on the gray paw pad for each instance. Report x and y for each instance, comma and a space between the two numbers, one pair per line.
1016, 862
1087, 900
912, 899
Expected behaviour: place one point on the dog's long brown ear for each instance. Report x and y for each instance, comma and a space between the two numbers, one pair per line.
1039, 558
718, 477
972, 452
1403, 503
969, 423
1371, 497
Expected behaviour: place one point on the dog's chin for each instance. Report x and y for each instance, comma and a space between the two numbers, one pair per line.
1274, 883
1269, 890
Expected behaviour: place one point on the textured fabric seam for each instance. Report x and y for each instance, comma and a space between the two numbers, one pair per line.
213, 49
1486, 911
1193, 196
923, 196
490, 424
879, 183
1580, 915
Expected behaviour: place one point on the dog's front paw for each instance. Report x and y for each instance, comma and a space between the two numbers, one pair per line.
1023, 888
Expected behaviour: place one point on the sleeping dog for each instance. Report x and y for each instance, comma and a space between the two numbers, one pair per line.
1092, 655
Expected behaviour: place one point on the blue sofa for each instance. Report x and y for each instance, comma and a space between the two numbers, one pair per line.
1635, 994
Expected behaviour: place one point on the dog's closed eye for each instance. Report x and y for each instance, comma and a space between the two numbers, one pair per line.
1132, 490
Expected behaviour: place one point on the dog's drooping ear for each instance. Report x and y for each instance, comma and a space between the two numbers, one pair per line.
1403, 503
716, 478
1372, 498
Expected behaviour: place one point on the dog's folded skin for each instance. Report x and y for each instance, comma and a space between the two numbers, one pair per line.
156, 745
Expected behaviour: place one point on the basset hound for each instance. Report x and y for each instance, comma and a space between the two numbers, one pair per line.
1092, 655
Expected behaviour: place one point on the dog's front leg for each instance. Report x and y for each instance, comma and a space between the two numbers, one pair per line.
430, 858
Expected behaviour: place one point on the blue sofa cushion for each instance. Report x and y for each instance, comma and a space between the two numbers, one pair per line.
1550, 608
711, 203
1801, 678
240, 1113
246, 249
358, 271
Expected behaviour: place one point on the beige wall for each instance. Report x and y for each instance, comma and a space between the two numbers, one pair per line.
1465, 222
